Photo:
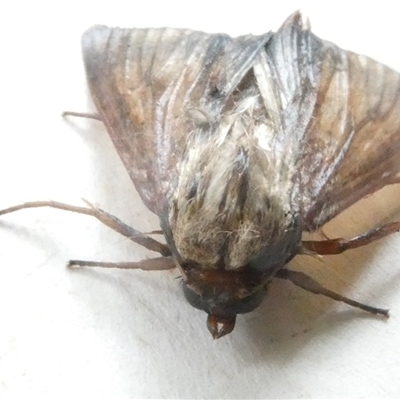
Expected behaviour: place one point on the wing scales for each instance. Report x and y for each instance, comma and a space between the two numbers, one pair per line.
340, 118
357, 126
143, 81
336, 114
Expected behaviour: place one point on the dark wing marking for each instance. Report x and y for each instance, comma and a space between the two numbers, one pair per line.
340, 115
144, 81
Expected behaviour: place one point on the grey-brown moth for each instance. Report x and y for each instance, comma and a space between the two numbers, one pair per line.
239, 145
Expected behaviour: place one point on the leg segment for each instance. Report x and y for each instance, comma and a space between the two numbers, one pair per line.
81, 115
107, 219
307, 283
337, 246
152, 264
155, 264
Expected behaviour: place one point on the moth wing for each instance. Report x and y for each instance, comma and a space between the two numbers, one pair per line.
339, 118
145, 82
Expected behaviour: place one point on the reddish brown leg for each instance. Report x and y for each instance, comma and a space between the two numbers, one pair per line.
81, 115
107, 219
152, 264
307, 283
337, 246
160, 263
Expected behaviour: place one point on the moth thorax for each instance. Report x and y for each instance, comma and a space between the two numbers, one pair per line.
230, 203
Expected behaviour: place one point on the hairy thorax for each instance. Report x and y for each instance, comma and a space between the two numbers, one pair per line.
234, 197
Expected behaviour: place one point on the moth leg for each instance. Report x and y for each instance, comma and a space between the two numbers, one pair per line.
337, 246
152, 264
156, 232
81, 115
107, 219
307, 283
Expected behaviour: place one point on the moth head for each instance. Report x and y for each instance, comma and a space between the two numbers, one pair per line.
222, 295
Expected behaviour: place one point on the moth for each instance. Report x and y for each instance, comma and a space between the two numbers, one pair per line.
239, 145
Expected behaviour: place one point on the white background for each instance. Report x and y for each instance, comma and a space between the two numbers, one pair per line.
130, 333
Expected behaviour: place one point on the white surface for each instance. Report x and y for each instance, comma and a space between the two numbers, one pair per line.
131, 334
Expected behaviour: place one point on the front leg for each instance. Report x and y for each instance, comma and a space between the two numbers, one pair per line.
310, 285
81, 115
151, 264
104, 217
337, 246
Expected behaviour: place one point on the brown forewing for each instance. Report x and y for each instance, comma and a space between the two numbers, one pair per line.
356, 124
336, 113
343, 110
144, 82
